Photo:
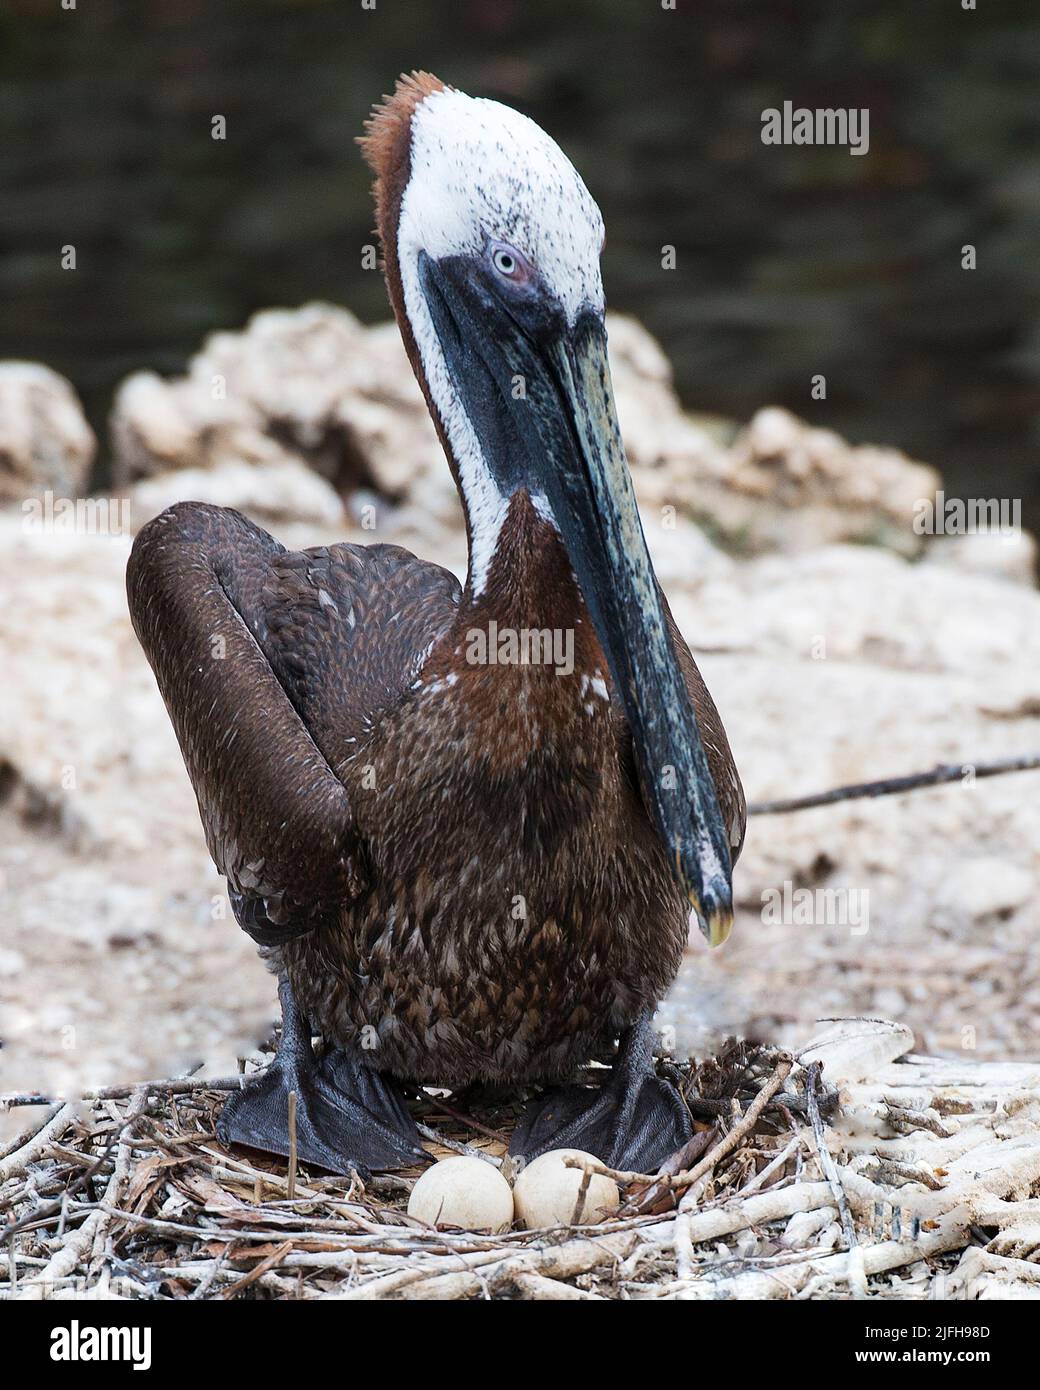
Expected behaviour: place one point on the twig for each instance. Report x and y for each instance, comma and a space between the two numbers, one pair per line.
81, 1244
741, 1213
481, 1277
118, 1180
779, 1161
438, 1104
579, 1201
907, 1119
44, 1215
176, 1086
456, 1145
857, 1278
892, 786
38, 1122
18, 1161
661, 1182
259, 1269
690, 1152
891, 1168
538, 1288
729, 1142
846, 1266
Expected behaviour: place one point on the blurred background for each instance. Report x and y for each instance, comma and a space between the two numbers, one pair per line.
840, 644
788, 264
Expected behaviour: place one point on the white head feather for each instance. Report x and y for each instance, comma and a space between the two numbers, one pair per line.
480, 170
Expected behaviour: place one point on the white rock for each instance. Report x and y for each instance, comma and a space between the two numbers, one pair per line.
314, 385
772, 433
466, 1192
546, 1192
1012, 556
791, 486
45, 441
281, 490
985, 886
853, 1048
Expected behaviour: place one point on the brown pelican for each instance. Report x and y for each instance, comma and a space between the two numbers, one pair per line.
461, 869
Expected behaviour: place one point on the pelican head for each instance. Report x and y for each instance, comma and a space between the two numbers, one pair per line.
491, 243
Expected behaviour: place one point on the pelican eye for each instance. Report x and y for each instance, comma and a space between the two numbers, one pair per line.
509, 263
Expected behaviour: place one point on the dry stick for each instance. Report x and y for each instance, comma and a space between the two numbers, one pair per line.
579, 1201
481, 1276
889, 1168
663, 1182
846, 1266
119, 1178
206, 1282
743, 1127
857, 1275
259, 1269
44, 1215
21, 1158
241, 1171
440, 1104
539, 1288
38, 1122
354, 1242
690, 1152
741, 1213
393, 1283
779, 1161
212, 1272
177, 1086
891, 786
698, 1174
904, 1117
81, 1244
456, 1145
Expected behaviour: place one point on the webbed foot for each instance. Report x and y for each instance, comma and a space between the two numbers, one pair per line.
634, 1121
348, 1118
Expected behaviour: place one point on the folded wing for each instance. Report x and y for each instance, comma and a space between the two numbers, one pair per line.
272, 663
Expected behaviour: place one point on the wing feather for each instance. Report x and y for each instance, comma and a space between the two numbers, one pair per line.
270, 662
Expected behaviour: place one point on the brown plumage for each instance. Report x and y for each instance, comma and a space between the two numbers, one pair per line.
401, 830
451, 863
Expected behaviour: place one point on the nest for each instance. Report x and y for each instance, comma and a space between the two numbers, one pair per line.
919, 1180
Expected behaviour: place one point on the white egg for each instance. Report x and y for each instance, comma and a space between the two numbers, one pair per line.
466, 1192
546, 1192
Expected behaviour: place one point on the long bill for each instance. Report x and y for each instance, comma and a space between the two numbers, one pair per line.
563, 423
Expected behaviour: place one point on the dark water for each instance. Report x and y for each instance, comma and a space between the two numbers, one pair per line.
791, 261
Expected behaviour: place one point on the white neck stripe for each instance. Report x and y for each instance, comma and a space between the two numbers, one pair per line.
479, 169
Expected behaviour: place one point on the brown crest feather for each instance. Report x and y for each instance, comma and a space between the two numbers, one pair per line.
386, 146
385, 143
